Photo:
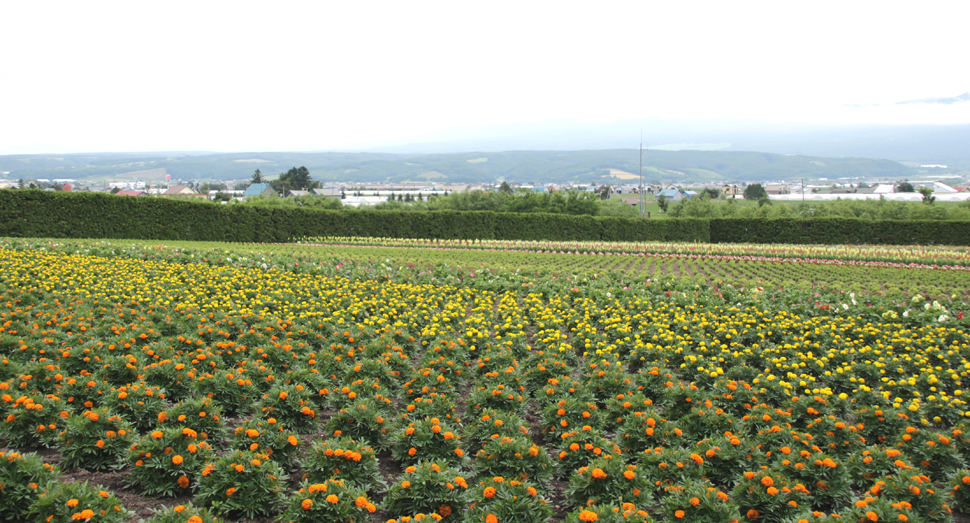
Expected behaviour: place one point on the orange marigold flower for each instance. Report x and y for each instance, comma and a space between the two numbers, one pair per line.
598, 473
307, 503
176, 459
629, 474
183, 481
361, 501
240, 468
332, 499
695, 501
230, 491
72, 503
587, 515
489, 492
752, 514
490, 518
872, 516
679, 514
767, 481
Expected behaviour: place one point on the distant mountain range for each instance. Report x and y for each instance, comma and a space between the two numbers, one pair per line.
596, 166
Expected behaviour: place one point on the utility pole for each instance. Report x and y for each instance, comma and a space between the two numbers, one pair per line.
803, 190
640, 192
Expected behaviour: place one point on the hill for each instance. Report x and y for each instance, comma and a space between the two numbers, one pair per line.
615, 166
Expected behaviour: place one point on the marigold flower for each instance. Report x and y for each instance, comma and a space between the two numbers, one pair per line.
332, 499
230, 491
679, 514
176, 459
587, 515
489, 492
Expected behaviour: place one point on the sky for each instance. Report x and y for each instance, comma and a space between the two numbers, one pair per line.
276, 76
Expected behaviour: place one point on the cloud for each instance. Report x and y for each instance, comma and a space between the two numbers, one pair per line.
965, 97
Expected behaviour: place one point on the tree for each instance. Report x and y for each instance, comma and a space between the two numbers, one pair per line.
20, 184
711, 192
257, 177
905, 186
296, 179
755, 192
663, 203
928, 197
505, 187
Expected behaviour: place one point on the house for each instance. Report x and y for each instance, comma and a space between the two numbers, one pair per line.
260, 189
294, 193
676, 195
730, 190
182, 190
329, 192
777, 188
131, 193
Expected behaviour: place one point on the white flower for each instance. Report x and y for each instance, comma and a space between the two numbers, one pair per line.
906, 314
942, 318
845, 307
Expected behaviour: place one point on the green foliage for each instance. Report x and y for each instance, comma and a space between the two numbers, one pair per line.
167, 462
608, 513
290, 405
769, 496
424, 488
198, 414
698, 501
182, 514
905, 186
21, 476
755, 192
95, 440
296, 179
333, 500
32, 420
608, 480
242, 483
272, 439
427, 439
506, 500
64, 502
516, 458
344, 459
139, 403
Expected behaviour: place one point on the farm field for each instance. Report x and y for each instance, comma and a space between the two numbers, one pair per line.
368, 380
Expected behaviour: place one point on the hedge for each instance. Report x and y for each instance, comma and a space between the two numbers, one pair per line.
30, 213
40, 214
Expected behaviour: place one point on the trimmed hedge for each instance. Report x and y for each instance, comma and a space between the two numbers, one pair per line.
27, 213
39, 214
851, 231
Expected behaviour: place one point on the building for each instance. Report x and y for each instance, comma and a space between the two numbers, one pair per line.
182, 190
260, 189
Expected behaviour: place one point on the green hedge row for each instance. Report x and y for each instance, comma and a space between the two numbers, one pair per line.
27, 213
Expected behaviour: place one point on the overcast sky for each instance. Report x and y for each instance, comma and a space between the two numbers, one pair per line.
261, 76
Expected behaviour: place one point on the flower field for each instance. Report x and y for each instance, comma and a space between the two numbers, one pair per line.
297, 383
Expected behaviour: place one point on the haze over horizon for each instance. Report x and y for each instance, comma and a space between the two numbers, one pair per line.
302, 76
